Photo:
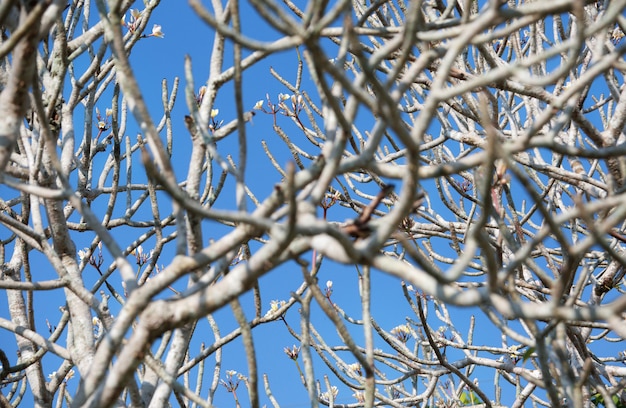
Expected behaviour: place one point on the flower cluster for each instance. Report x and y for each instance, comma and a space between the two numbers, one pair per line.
275, 305
332, 393
104, 122
292, 352
233, 378
402, 332
297, 102
133, 24
142, 257
92, 258
359, 396
330, 198
355, 368
293, 109
513, 350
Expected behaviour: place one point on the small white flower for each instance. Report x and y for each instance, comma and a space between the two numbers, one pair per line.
292, 352
403, 328
156, 31
402, 332
333, 391
135, 14
355, 368
359, 396
297, 100
258, 105
329, 289
214, 113
82, 254
275, 305
283, 97
108, 112
513, 350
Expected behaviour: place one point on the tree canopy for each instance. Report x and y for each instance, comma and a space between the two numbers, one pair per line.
467, 159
